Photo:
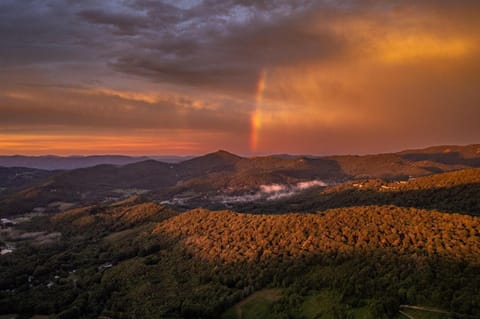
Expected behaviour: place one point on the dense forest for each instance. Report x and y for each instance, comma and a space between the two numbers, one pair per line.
144, 260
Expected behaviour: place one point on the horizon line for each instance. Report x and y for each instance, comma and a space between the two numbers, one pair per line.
260, 154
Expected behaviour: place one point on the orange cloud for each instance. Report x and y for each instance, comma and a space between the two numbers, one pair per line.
19, 95
405, 48
150, 98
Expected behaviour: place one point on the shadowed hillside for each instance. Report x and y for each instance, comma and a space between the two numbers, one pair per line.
16, 177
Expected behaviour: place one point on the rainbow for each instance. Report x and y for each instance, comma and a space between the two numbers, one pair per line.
256, 116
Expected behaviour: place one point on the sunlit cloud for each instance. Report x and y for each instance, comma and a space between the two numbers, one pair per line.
150, 98
397, 49
19, 95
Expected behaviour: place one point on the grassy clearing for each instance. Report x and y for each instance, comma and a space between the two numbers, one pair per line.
322, 305
257, 305
326, 303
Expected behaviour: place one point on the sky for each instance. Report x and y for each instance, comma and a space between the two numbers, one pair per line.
254, 77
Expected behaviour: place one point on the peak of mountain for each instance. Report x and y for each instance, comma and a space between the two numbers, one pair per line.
208, 163
225, 155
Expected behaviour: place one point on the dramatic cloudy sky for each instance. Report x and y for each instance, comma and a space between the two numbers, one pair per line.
250, 76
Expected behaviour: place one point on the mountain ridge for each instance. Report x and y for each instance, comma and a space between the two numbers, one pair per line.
222, 173
54, 162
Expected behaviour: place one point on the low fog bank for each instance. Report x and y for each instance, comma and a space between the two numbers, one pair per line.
271, 192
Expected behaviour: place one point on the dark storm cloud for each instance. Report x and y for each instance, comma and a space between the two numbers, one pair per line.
201, 43
212, 43
225, 44
126, 24
220, 44
229, 59
37, 32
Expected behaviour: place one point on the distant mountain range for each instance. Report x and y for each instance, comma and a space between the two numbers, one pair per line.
206, 179
50, 162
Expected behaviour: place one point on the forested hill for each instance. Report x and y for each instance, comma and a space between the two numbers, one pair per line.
143, 260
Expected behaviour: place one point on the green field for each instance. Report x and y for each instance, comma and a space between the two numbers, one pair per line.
327, 304
254, 306
324, 304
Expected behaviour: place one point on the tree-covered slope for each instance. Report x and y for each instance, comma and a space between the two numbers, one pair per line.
143, 260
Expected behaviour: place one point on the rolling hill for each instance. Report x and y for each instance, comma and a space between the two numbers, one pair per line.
17, 177
201, 181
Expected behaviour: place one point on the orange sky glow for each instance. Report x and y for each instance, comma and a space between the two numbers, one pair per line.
303, 79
